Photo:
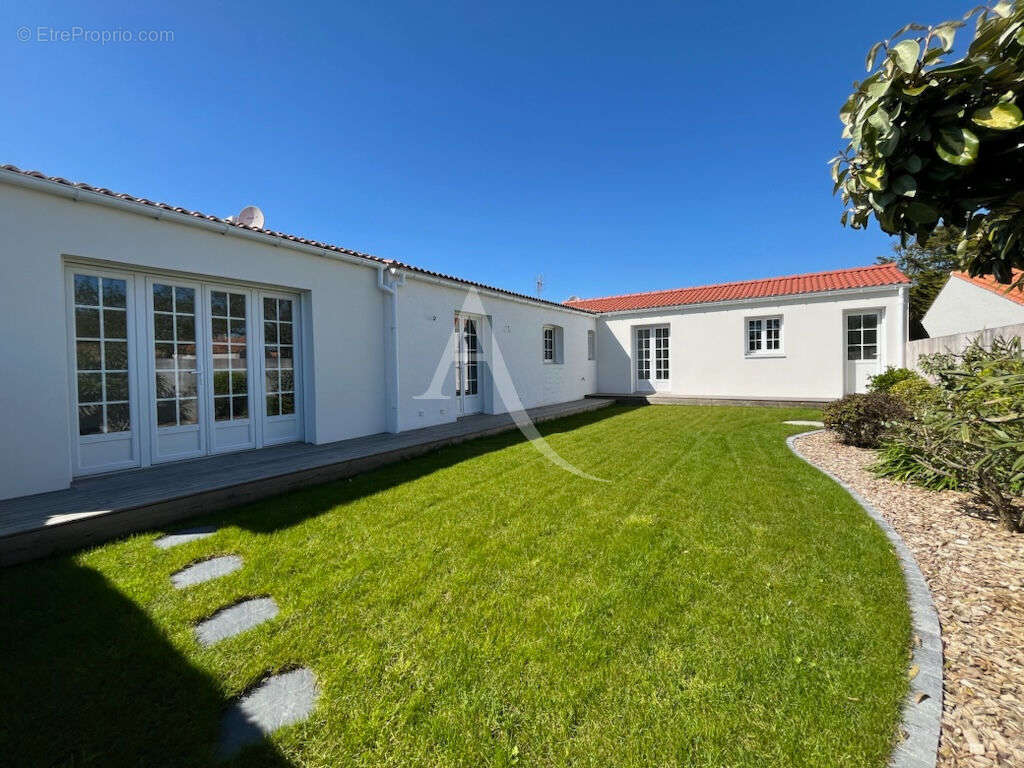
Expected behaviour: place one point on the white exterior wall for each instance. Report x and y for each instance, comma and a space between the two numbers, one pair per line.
707, 345
345, 357
426, 314
962, 307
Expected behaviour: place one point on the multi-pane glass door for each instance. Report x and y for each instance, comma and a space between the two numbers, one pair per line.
862, 349
165, 368
651, 354
467, 364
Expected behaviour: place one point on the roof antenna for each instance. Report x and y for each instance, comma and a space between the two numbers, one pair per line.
540, 285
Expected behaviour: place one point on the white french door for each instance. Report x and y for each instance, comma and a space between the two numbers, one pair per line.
651, 358
863, 346
165, 368
467, 363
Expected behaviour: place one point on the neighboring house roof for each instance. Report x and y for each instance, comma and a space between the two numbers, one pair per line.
815, 282
989, 283
272, 233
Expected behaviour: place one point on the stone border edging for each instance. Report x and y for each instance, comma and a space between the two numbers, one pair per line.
922, 720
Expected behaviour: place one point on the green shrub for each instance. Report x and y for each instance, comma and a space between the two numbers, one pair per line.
863, 420
887, 379
913, 392
970, 433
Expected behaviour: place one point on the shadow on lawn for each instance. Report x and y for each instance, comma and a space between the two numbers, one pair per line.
88, 679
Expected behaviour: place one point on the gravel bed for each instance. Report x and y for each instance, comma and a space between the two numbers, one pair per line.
975, 570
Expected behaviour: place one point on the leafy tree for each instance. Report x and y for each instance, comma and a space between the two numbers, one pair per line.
928, 266
932, 141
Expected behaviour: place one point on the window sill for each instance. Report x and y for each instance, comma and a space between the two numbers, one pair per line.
760, 355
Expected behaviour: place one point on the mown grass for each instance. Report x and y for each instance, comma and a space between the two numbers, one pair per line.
716, 603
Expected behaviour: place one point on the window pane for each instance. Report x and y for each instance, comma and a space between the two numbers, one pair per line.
238, 357
117, 386
87, 323
118, 418
284, 309
238, 330
186, 356
853, 337
285, 333
166, 413
221, 383
870, 335
240, 407
288, 404
87, 291
271, 357
853, 353
222, 408
188, 411
164, 354
220, 329
166, 384
88, 355
870, 352
870, 321
238, 305
853, 322
186, 384
186, 327
286, 357
163, 300
115, 355
90, 419
239, 383
270, 309
163, 327
288, 379
90, 387
114, 295
185, 300
115, 324
270, 333
272, 381
218, 304
273, 405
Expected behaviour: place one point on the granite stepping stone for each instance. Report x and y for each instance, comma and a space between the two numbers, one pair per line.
801, 423
205, 570
184, 536
280, 700
235, 619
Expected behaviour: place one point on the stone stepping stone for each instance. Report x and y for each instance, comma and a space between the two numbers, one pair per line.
235, 619
205, 570
280, 700
184, 536
800, 423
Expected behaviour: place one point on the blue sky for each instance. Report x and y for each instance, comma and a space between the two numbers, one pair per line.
612, 147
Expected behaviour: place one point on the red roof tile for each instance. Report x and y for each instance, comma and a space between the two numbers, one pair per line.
989, 283
836, 280
272, 233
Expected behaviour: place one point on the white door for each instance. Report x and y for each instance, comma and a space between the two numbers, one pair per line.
651, 356
102, 352
282, 393
862, 350
228, 329
467, 363
176, 353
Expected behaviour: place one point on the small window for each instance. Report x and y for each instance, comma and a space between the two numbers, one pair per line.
591, 344
549, 344
764, 336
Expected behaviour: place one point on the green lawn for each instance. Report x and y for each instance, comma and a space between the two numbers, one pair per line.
717, 603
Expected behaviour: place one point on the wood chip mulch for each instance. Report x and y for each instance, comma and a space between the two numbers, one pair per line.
975, 570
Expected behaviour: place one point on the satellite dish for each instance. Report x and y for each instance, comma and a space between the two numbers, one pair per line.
251, 216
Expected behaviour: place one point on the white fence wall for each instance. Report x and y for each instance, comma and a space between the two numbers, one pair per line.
958, 342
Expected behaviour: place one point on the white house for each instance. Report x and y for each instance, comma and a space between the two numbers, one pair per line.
804, 337
142, 333
968, 304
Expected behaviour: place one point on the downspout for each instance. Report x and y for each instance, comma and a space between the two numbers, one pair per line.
905, 319
391, 340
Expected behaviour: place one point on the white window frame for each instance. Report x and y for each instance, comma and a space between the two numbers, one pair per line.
762, 335
591, 345
548, 349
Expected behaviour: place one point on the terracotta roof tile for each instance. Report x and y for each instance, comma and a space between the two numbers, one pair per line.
273, 233
989, 283
840, 279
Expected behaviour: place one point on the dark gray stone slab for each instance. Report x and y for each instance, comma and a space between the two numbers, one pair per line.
185, 536
205, 570
236, 619
280, 700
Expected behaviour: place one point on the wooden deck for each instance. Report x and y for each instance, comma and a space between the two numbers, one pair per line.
99, 508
